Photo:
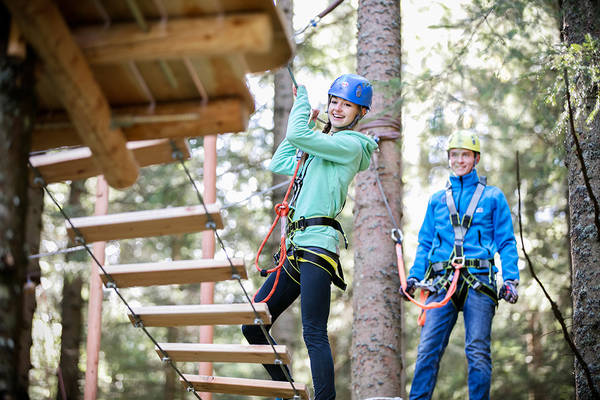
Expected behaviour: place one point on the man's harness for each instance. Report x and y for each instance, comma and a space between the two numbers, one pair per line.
439, 274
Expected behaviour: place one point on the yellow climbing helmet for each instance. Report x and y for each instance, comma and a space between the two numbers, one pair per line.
464, 140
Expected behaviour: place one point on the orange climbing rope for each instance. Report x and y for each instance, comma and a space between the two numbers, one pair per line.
282, 210
424, 294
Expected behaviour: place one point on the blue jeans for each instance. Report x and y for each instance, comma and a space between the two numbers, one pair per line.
478, 312
315, 295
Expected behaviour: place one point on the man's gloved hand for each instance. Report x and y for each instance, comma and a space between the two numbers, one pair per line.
509, 292
410, 287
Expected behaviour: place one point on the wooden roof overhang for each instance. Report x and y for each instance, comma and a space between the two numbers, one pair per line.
113, 71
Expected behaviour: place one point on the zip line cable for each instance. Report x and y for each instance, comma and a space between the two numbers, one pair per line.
314, 21
138, 323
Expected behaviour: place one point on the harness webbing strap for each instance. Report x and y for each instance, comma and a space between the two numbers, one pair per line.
460, 228
303, 223
329, 263
439, 266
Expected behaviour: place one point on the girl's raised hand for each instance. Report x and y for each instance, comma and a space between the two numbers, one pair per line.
314, 114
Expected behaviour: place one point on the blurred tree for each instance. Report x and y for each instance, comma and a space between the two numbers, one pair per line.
377, 325
17, 113
71, 309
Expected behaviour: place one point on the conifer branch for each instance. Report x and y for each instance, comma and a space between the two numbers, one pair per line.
553, 305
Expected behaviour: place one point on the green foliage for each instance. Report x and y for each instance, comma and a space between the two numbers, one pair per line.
581, 64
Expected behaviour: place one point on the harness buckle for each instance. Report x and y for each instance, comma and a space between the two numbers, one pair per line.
301, 223
397, 235
458, 261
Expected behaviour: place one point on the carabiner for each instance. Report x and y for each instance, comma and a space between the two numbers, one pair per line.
397, 235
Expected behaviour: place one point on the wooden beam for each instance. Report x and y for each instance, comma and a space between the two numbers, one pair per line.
235, 353
137, 224
201, 36
245, 387
43, 26
201, 314
78, 163
167, 120
174, 272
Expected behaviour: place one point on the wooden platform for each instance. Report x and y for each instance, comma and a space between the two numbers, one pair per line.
165, 120
236, 353
98, 58
203, 314
137, 224
78, 163
173, 272
245, 387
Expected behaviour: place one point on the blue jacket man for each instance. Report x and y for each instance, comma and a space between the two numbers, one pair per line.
465, 224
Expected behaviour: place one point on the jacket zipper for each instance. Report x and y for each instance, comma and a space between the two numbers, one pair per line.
481, 244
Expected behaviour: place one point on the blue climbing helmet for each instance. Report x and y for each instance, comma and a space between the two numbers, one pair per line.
354, 88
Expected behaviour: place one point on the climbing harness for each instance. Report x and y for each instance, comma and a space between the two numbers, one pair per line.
324, 259
294, 254
445, 275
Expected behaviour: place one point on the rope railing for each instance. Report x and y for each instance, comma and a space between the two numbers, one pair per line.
80, 239
211, 224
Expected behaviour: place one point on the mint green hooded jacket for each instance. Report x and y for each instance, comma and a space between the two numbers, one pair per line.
332, 163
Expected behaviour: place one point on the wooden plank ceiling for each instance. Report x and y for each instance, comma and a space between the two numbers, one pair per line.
113, 71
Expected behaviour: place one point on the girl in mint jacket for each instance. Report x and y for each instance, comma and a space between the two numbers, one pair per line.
332, 159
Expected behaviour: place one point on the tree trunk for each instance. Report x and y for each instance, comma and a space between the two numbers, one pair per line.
537, 388
286, 329
33, 225
378, 326
72, 310
17, 113
581, 18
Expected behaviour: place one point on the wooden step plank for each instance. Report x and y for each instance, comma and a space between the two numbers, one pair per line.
244, 387
78, 163
236, 353
201, 314
137, 224
173, 272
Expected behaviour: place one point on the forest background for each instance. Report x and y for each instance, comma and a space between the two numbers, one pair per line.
490, 66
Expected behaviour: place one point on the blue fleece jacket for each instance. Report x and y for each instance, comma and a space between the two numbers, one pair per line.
491, 230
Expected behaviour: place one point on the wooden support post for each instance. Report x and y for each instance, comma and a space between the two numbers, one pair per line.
207, 289
95, 301
43, 26
201, 36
